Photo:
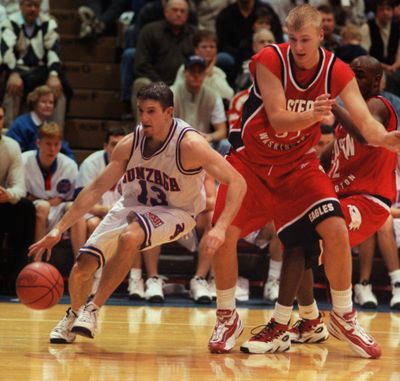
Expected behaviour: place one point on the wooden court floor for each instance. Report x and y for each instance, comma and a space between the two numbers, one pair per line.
170, 344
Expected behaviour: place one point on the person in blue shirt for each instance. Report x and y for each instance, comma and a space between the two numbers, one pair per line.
24, 129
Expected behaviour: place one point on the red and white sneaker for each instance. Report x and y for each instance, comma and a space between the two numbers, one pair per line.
227, 329
309, 331
347, 328
274, 337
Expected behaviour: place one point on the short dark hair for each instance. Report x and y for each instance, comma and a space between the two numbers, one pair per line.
382, 3
327, 9
114, 131
262, 12
204, 34
157, 91
327, 129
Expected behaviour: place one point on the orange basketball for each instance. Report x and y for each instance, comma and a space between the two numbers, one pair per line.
39, 285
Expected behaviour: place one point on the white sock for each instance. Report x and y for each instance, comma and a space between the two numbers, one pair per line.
226, 299
282, 314
395, 276
310, 312
274, 271
341, 301
135, 273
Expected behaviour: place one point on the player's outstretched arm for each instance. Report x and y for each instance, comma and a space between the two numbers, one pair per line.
195, 153
274, 100
369, 125
343, 117
88, 197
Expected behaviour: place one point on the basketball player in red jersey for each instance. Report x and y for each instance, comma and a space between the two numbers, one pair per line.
294, 88
365, 182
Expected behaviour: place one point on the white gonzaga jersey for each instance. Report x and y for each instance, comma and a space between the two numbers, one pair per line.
160, 179
59, 182
90, 169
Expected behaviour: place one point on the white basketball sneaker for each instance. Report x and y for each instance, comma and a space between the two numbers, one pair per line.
86, 322
61, 333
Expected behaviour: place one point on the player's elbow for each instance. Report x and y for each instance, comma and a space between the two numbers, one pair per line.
240, 187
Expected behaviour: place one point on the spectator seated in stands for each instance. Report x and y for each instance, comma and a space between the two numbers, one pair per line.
205, 45
234, 25
90, 168
30, 49
200, 106
200, 291
150, 11
331, 40
100, 16
383, 42
24, 129
17, 214
386, 241
162, 47
350, 47
260, 38
50, 179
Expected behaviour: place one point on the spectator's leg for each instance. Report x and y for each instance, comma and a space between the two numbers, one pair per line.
127, 74
365, 257
12, 106
387, 245
113, 11
60, 110
150, 258
42, 214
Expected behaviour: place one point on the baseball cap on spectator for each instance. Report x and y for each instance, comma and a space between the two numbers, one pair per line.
195, 60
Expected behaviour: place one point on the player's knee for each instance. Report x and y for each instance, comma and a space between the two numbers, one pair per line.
42, 209
337, 235
92, 224
131, 239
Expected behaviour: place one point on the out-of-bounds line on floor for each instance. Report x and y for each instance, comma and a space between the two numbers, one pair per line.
186, 302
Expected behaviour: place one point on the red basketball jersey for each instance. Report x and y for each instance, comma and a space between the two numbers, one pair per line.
254, 138
363, 169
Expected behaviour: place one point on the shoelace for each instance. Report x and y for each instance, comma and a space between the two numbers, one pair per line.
67, 320
267, 332
86, 315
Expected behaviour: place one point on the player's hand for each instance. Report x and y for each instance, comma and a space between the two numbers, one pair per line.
391, 141
323, 107
45, 244
213, 240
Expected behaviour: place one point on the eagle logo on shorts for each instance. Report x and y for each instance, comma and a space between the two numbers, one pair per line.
355, 216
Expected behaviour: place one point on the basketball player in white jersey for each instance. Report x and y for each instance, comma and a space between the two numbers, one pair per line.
50, 178
163, 162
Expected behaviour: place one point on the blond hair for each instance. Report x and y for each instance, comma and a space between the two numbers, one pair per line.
303, 15
263, 33
50, 130
36, 94
351, 32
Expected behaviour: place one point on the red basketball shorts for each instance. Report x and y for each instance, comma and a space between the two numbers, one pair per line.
296, 197
364, 216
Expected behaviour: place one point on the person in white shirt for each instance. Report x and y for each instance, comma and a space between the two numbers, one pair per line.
50, 179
